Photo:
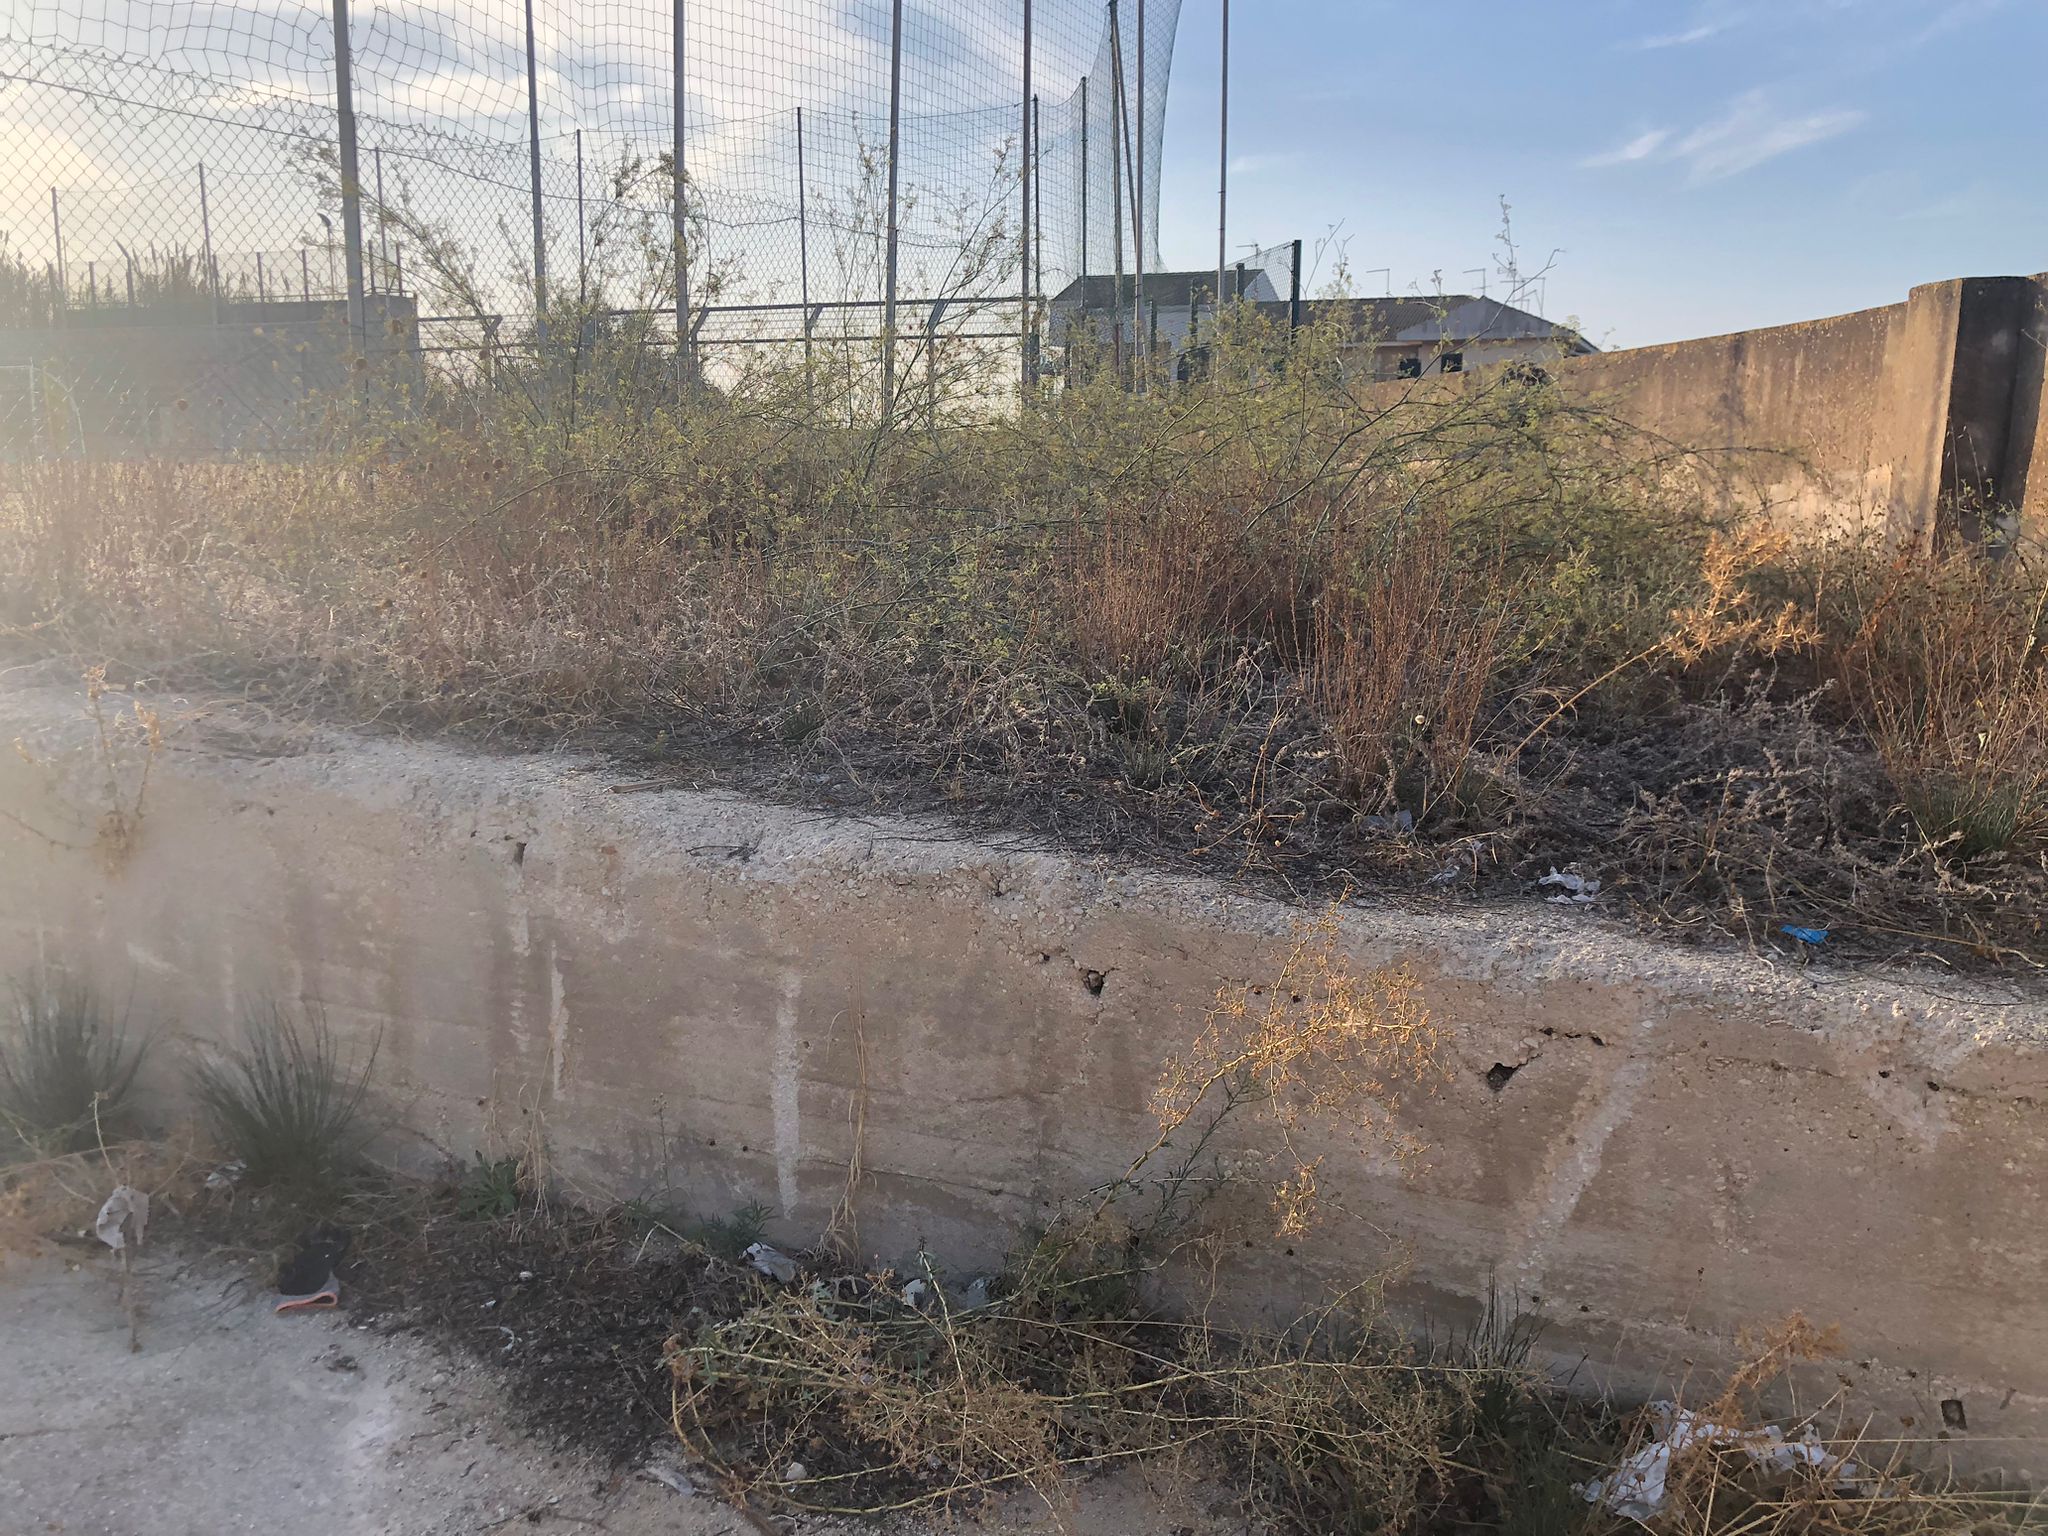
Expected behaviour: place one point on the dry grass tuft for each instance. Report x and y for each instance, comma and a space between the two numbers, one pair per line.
45, 1196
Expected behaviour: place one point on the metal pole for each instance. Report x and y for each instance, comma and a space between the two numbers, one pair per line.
262, 295
582, 257
305, 278
1138, 209
380, 274
1123, 104
682, 205
1028, 363
895, 146
803, 243
1084, 192
1223, 164
206, 232
351, 180
540, 244
1294, 291
1037, 208
128, 263
1116, 187
62, 287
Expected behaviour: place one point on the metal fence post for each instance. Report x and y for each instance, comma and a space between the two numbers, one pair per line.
351, 179
1027, 362
582, 251
305, 277
1223, 164
540, 244
1138, 208
895, 145
60, 287
803, 245
1294, 291
1116, 187
1037, 205
206, 234
380, 274
1084, 192
680, 197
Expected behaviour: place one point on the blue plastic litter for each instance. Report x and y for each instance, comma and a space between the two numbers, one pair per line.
1807, 935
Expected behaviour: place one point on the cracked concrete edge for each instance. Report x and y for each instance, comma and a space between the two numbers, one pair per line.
519, 797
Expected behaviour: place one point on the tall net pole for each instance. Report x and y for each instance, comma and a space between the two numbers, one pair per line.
803, 246
1083, 200
540, 244
1116, 185
895, 167
1138, 212
1223, 165
350, 177
680, 176
1025, 152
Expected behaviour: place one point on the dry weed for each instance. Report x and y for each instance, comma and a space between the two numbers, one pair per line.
1849, 1485
44, 1197
852, 1391
1244, 622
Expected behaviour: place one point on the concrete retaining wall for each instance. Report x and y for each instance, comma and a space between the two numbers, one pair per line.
692, 988
1879, 418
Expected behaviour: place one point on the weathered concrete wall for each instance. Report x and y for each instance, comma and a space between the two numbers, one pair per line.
116, 382
693, 988
1877, 419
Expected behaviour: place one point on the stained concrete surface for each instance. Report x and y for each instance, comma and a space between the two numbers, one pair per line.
1651, 1148
230, 1418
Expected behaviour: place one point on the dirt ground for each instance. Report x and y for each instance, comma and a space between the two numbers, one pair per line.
231, 1418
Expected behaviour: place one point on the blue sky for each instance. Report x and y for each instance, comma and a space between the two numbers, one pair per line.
1698, 165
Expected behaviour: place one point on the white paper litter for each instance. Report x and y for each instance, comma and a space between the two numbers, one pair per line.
123, 1219
669, 1477
1578, 888
1635, 1489
772, 1262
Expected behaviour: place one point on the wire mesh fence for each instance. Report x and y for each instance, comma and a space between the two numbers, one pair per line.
210, 213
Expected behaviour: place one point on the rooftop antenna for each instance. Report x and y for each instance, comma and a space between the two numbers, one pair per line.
1482, 278
1385, 272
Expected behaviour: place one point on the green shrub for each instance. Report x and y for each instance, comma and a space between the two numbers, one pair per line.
67, 1076
490, 1189
285, 1101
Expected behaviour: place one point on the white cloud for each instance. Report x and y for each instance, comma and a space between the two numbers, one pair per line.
1685, 39
1742, 138
1752, 131
1641, 147
1261, 164
1946, 19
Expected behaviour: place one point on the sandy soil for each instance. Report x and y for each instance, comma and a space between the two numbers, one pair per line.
230, 1418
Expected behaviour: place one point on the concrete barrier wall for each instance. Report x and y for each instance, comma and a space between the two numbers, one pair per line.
1877, 419
1650, 1147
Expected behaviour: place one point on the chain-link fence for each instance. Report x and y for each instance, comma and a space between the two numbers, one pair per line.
211, 212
